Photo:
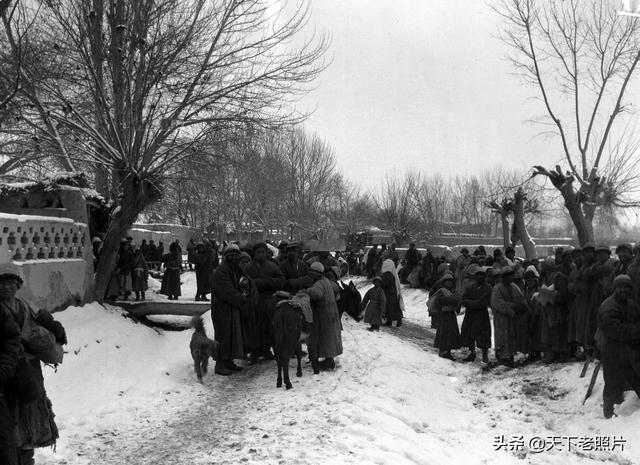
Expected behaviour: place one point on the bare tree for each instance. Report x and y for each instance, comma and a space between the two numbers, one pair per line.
137, 86
398, 205
581, 56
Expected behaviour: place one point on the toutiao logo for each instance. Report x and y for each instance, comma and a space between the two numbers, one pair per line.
630, 8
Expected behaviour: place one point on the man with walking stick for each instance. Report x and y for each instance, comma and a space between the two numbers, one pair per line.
618, 337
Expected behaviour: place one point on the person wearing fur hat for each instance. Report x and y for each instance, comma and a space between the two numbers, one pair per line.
326, 335
34, 419
10, 353
555, 313
373, 305
446, 302
268, 279
624, 252
506, 299
228, 304
619, 343
476, 326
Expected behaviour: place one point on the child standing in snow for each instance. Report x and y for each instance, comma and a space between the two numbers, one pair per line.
374, 303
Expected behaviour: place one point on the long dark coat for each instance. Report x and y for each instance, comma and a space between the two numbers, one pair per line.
326, 337
10, 350
447, 334
203, 261
597, 280
171, 277
534, 312
296, 275
258, 329
36, 427
476, 326
227, 306
373, 304
555, 316
139, 274
578, 303
393, 311
618, 336
504, 300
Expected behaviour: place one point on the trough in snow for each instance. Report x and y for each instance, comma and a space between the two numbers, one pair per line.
165, 307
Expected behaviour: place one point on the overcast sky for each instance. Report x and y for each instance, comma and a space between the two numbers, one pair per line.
421, 85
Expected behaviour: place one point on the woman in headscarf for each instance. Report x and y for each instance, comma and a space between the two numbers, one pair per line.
393, 294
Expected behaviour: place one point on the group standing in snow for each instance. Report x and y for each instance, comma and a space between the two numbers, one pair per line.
243, 302
580, 304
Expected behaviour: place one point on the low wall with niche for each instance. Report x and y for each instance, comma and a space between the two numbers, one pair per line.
54, 254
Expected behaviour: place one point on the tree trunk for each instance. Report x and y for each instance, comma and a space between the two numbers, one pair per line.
582, 223
137, 194
506, 231
521, 228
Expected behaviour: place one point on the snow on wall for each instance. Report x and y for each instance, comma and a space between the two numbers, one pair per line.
55, 256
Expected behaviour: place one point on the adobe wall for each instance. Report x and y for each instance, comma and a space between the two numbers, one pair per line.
175, 231
54, 254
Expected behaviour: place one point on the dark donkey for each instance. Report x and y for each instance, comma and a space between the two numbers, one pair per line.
291, 326
350, 300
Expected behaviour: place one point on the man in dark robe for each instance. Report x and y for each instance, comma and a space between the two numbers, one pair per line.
554, 320
10, 351
372, 258
202, 258
476, 326
295, 271
268, 279
619, 343
227, 305
506, 298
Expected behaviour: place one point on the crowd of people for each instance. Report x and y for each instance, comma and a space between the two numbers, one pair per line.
244, 294
581, 303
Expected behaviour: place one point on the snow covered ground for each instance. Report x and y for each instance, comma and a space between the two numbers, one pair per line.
126, 393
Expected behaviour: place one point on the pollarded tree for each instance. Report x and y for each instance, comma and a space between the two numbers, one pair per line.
135, 87
581, 56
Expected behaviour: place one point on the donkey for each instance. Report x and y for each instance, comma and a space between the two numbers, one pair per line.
291, 326
350, 300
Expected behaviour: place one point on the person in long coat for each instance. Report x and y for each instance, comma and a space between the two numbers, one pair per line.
294, 270
462, 262
619, 343
139, 274
10, 351
505, 298
228, 303
326, 336
393, 293
531, 292
447, 304
268, 279
578, 295
554, 318
373, 304
372, 258
171, 279
124, 265
202, 258
476, 326
598, 276
35, 425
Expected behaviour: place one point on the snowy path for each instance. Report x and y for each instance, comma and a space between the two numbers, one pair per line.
131, 397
